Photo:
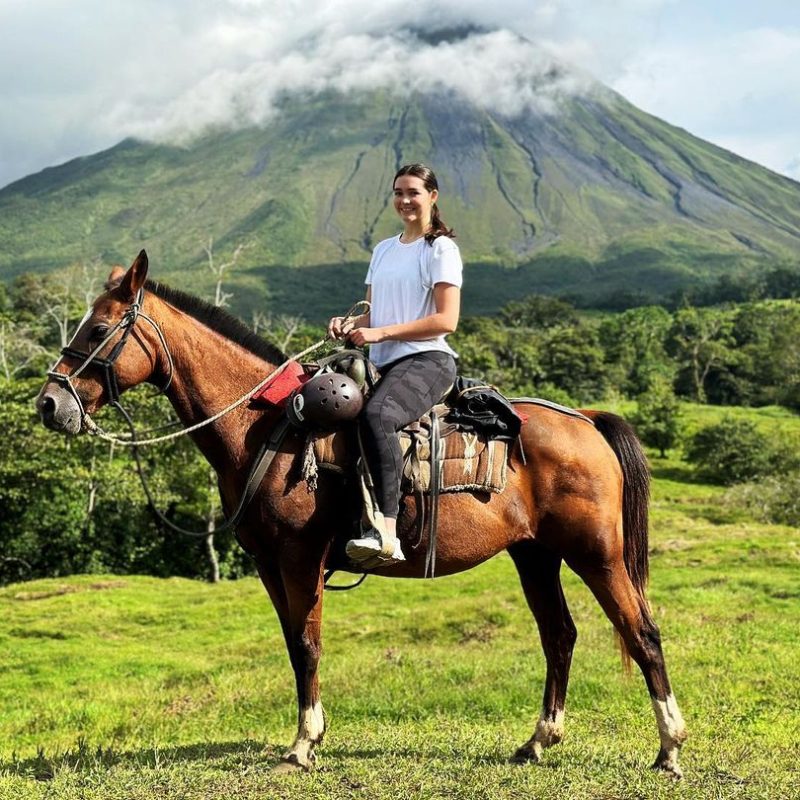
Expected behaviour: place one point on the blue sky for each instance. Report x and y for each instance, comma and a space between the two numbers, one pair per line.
76, 76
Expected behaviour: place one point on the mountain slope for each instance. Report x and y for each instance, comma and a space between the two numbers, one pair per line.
594, 198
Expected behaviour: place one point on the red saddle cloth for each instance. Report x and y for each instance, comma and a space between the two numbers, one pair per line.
277, 391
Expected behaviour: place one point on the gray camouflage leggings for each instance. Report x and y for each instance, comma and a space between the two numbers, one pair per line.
408, 388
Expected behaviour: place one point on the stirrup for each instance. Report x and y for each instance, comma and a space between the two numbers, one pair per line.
375, 549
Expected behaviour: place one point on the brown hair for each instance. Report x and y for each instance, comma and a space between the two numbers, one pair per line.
425, 174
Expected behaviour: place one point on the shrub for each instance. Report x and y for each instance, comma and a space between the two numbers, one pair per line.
734, 451
772, 499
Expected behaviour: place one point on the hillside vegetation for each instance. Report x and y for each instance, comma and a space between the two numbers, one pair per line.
592, 199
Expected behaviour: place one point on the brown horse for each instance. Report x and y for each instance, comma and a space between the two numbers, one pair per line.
580, 497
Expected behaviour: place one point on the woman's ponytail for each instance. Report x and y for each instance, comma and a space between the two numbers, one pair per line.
438, 228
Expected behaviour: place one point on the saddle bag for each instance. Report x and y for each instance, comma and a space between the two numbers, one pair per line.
477, 407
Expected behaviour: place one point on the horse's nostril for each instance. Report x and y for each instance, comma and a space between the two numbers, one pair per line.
48, 405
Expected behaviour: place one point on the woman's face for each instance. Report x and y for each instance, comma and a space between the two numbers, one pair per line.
412, 201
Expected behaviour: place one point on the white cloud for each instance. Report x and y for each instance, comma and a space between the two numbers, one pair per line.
497, 70
79, 75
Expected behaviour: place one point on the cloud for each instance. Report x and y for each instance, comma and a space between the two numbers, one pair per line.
496, 70
77, 76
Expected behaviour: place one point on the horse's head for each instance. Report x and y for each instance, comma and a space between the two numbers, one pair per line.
108, 354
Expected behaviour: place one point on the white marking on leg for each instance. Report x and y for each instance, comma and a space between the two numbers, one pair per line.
671, 730
549, 731
309, 731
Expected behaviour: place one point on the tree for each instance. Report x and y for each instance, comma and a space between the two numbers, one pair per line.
19, 349
634, 348
700, 339
218, 271
59, 300
213, 509
767, 336
782, 281
539, 312
657, 415
572, 360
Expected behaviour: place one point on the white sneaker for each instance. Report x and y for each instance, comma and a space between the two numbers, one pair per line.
367, 551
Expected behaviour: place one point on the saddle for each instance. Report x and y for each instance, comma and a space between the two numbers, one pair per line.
438, 456
467, 461
461, 444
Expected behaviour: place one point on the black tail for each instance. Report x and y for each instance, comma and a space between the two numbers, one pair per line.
635, 496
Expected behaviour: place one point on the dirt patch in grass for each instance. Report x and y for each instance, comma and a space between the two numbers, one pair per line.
69, 589
478, 633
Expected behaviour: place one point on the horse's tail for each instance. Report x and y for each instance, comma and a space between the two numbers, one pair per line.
635, 501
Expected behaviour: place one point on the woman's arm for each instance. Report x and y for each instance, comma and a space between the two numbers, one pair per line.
446, 298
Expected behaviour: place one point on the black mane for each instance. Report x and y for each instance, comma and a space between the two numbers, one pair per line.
218, 320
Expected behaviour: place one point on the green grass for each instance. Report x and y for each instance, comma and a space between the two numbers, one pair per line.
133, 687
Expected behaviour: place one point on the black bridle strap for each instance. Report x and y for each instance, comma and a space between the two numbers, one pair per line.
106, 365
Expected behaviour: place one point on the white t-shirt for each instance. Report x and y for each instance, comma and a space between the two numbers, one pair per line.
402, 277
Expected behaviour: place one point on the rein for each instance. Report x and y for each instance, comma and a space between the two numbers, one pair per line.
126, 323
265, 455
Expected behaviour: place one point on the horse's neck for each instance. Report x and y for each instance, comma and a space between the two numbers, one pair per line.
209, 373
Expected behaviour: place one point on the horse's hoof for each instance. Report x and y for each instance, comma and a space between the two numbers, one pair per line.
291, 765
527, 754
668, 767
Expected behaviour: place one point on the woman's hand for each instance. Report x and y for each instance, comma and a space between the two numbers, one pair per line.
361, 336
338, 327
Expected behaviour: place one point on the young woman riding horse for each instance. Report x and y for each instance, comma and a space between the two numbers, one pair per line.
413, 285
580, 497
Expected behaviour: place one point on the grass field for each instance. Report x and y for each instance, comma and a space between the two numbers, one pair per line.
132, 687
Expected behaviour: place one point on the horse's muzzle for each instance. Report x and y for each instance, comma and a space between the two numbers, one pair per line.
58, 410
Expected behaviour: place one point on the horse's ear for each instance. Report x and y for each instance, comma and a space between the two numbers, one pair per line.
115, 277
134, 278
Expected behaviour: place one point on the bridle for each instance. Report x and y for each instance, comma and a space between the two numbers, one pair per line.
106, 365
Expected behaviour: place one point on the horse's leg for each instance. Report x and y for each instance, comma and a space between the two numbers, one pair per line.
311, 717
628, 612
538, 570
304, 586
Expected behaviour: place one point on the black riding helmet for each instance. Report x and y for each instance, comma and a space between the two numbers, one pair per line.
326, 401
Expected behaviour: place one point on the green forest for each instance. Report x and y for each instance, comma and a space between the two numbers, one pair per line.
76, 506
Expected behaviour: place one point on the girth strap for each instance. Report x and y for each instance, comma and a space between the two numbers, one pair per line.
435, 443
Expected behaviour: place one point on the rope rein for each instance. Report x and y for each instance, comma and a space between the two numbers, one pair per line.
95, 430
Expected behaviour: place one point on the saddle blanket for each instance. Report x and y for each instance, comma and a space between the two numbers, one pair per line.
469, 463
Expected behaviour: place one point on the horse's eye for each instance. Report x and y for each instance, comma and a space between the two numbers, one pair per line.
99, 332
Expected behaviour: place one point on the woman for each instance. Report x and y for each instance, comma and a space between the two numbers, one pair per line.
414, 286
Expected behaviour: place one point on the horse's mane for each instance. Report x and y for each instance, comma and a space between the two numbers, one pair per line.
218, 320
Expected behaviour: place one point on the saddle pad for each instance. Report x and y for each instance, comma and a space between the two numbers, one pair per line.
277, 391
469, 463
